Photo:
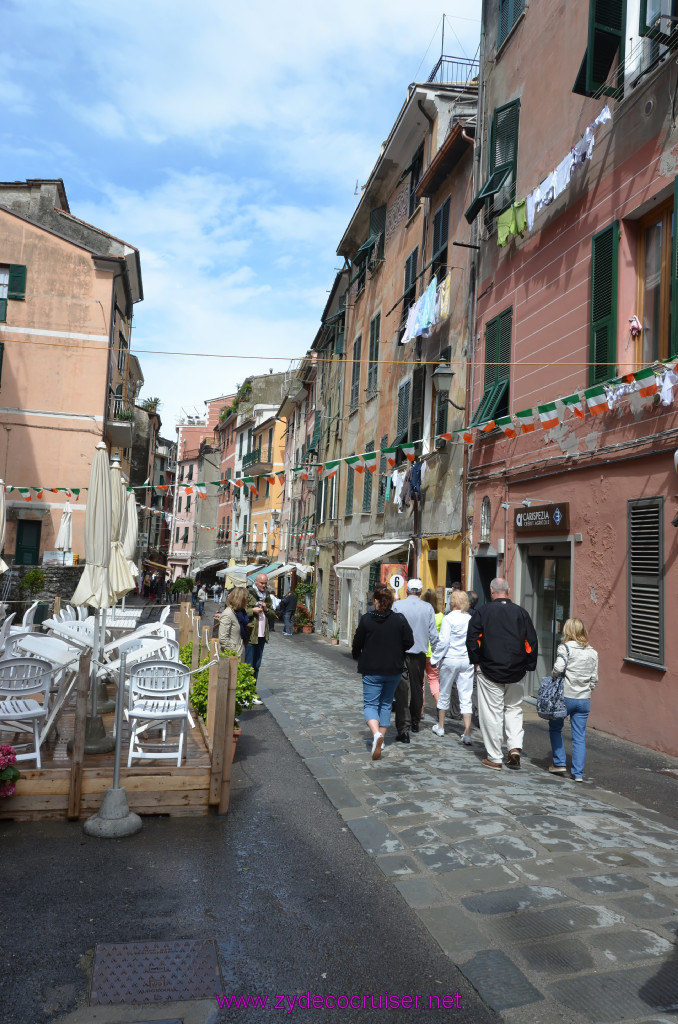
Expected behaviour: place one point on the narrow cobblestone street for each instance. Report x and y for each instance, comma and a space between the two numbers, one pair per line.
558, 902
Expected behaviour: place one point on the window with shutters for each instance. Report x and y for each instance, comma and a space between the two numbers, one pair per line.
339, 334
350, 478
410, 289
403, 417
657, 290
373, 364
176, 535
603, 332
355, 375
645, 581
12, 286
442, 407
658, 20
178, 505
315, 437
441, 233
381, 486
417, 412
503, 156
188, 503
185, 538
509, 12
495, 398
416, 168
371, 252
605, 50
367, 483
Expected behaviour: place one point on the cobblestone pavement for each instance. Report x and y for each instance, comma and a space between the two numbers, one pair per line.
558, 901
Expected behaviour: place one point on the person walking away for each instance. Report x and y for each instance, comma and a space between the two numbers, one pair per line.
454, 665
288, 606
202, 597
379, 646
431, 670
234, 624
577, 659
147, 584
409, 697
502, 642
260, 613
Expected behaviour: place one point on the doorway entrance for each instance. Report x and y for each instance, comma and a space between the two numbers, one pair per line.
547, 598
27, 542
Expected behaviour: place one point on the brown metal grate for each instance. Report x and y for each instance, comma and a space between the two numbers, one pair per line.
154, 972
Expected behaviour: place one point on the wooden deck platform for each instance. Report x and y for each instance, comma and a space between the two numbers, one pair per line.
153, 787
58, 792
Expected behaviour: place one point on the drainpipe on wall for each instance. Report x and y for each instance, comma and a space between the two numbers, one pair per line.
111, 345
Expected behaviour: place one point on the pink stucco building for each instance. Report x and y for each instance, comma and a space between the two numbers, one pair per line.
69, 379
576, 119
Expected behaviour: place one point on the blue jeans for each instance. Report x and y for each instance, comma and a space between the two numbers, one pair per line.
578, 710
201, 608
288, 622
378, 694
253, 655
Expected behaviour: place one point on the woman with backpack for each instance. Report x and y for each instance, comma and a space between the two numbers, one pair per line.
577, 661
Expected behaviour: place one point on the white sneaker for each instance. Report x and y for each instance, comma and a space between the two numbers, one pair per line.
466, 740
438, 730
377, 744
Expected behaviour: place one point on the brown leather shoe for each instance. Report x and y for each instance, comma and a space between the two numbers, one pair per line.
496, 765
513, 759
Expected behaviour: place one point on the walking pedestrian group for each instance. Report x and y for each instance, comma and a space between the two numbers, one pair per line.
486, 650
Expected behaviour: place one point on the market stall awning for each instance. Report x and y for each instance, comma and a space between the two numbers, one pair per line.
238, 571
372, 553
210, 565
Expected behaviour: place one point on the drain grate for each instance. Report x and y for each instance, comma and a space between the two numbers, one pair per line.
154, 972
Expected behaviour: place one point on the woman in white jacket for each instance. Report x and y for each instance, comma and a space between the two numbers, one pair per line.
454, 667
578, 660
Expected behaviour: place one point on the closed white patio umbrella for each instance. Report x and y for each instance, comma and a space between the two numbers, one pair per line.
64, 539
129, 544
3, 566
121, 578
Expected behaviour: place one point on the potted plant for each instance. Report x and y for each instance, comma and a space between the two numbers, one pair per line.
302, 619
334, 639
9, 774
245, 690
183, 586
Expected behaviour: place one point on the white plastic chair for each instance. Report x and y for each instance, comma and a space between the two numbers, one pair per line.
27, 621
83, 613
22, 678
158, 695
4, 631
164, 614
69, 614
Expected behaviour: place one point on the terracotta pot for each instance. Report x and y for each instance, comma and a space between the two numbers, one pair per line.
236, 737
307, 628
334, 640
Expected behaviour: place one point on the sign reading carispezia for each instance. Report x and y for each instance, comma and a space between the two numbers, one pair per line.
543, 519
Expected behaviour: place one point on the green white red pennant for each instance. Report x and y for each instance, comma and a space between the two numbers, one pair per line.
505, 424
526, 420
596, 399
647, 381
355, 462
548, 415
370, 460
390, 454
332, 468
574, 403
408, 451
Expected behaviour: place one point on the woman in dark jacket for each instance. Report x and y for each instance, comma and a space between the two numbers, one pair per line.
379, 645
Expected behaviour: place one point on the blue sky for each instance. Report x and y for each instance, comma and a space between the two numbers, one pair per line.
225, 142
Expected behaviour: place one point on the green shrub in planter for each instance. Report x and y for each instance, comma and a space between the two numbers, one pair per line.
245, 690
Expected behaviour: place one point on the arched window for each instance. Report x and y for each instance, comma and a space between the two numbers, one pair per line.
485, 510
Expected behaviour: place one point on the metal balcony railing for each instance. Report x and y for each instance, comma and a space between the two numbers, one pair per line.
456, 71
251, 458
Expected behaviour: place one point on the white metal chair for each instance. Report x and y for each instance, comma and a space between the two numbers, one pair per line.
158, 695
20, 679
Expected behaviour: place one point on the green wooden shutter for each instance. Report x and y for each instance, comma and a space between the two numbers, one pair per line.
16, 288
378, 227
504, 152
509, 12
417, 415
495, 398
442, 407
411, 269
2, 356
441, 228
350, 477
381, 491
503, 367
373, 366
367, 483
403, 417
673, 340
355, 374
607, 25
645, 580
3, 310
603, 345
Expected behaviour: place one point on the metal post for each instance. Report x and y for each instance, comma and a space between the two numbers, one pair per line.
120, 696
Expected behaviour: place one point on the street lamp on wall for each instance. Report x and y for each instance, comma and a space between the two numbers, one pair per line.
442, 378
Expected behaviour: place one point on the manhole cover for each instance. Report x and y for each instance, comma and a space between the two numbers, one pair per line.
154, 972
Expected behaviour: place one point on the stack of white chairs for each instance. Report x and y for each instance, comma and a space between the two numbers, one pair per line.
158, 695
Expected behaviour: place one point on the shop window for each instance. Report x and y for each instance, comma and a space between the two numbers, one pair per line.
509, 12
485, 511
495, 398
657, 291
607, 22
645, 580
603, 330
373, 364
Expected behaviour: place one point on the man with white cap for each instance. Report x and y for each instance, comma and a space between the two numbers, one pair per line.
409, 697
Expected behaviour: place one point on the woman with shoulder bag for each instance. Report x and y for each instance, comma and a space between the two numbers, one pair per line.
234, 623
577, 662
379, 646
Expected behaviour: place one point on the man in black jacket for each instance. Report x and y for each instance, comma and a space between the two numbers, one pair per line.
502, 642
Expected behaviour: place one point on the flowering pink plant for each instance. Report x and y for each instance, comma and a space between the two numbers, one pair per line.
8, 772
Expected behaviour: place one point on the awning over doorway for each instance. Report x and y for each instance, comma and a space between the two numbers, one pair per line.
372, 553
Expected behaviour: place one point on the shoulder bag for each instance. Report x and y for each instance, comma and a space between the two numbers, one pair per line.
550, 699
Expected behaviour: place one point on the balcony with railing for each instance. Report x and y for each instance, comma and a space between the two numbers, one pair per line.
120, 421
460, 71
254, 465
